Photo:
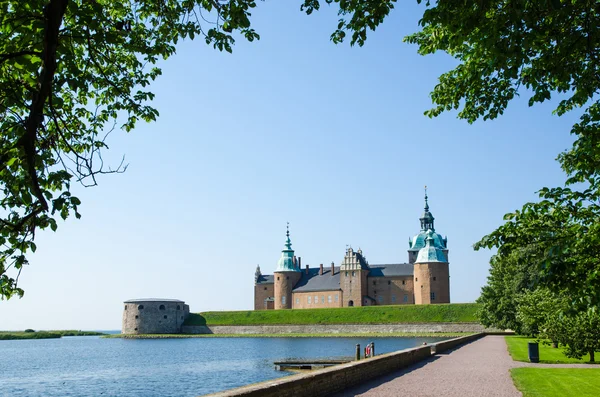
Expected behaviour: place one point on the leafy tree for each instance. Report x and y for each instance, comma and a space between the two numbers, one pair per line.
509, 277
71, 71
538, 309
580, 333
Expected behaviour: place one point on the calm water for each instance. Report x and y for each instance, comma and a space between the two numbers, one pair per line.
91, 366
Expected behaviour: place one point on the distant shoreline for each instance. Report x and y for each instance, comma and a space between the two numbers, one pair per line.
31, 334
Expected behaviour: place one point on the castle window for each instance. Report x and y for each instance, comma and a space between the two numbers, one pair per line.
125, 307
137, 316
416, 279
405, 298
432, 296
329, 299
277, 278
380, 298
297, 301
403, 282
283, 300
322, 298
287, 277
353, 274
309, 300
374, 282
336, 298
434, 279
346, 274
182, 317
135, 329
179, 307
389, 282
393, 298
265, 288
140, 307
316, 299
165, 316
161, 307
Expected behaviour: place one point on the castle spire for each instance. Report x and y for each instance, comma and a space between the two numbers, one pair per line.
427, 218
288, 242
286, 261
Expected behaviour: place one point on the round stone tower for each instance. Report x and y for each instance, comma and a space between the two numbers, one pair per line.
431, 274
286, 276
154, 316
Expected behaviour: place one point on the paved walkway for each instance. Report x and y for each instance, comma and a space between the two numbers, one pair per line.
480, 368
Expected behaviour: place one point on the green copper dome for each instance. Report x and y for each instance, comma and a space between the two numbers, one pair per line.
418, 241
431, 253
286, 262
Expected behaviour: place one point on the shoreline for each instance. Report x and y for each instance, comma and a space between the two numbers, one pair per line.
297, 335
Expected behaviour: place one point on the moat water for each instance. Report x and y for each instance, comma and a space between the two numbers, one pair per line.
92, 366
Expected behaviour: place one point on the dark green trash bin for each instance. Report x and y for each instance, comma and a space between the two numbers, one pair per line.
534, 352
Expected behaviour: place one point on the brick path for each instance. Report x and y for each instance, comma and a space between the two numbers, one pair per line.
480, 368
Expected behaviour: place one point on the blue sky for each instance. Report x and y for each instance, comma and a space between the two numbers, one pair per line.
290, 128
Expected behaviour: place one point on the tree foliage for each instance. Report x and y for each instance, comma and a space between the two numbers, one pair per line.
71, 71
580, 333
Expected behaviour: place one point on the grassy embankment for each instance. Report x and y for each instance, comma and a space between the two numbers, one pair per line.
557, 382
517, 347
10, 335
448, 313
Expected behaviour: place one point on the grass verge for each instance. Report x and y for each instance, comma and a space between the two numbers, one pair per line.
557, 382
450, 313
517, 347
342, 335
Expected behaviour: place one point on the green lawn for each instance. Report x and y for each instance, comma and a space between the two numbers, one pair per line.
457, 312
557, 382
517, 347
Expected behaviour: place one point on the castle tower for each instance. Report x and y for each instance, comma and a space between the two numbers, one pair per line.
418, 242
431, 274
353, 278
286, 276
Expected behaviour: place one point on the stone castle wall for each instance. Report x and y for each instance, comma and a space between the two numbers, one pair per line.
262, 292
354, 287
154, 316
391, 290
318, 299
334, 328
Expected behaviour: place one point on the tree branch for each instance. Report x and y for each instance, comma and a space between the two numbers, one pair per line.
53, 13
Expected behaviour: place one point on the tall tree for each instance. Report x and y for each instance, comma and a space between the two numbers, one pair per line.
71, 71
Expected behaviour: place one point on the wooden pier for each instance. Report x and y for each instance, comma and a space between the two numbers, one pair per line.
306, 365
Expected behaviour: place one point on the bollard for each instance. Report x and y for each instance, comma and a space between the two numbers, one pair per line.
372, 349
357, 352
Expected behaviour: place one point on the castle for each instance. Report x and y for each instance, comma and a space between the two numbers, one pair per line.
423, 280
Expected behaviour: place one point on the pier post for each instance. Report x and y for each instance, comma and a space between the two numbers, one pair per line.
357, 352
372, 349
